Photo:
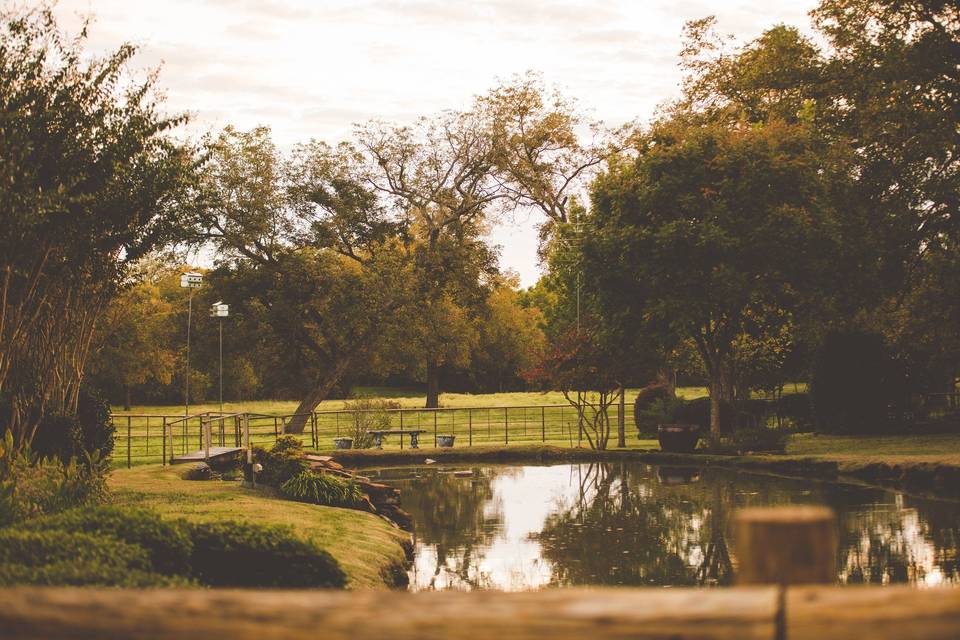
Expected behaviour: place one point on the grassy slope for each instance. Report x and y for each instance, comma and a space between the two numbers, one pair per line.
363, 544
895, 449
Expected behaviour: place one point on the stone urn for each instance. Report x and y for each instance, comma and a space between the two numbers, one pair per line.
445, 440
678, 438
343, 443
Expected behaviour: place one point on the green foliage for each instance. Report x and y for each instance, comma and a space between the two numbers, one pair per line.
284, 461
32, 486
368, 414
851, 386
233, 554
759, 439
89, 431
323, 488
651, 403
167, 544
58, 557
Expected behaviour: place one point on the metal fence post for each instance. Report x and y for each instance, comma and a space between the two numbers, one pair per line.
128, 442
543, 424
506, 428
470, 425
148, 437
401, 429
163, 428
435, 411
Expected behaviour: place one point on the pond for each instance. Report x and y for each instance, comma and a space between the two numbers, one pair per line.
526, 527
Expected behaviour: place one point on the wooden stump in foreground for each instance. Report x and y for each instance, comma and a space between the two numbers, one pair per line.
786, 545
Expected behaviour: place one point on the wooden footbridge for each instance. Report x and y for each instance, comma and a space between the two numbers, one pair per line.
212, 453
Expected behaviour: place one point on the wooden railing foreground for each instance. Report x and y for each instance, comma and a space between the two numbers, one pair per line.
741, 613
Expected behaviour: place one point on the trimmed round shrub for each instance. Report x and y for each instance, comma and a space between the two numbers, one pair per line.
166, 543
697, 412
322, 488
284, 461
849, 386
648, 398
75, 559
238, 554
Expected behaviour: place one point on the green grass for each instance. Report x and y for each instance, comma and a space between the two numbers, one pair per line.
363, 544
890, 449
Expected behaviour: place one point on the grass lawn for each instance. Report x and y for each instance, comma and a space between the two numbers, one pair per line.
891, 449
363, 544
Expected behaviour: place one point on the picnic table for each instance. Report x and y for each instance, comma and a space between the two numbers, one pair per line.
413, 433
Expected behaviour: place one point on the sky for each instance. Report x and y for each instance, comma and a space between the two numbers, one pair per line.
313, 68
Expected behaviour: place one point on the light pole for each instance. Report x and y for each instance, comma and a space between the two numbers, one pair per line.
219, 310
190, 280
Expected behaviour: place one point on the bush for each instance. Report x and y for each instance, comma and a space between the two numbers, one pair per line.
369, 414
58, 557
795, 407
89, 432
167, 544
234, 554
649, 406
850, 383
284, 461
758, 439
32, 487
322, 488
659, 411
698, 412
200, 471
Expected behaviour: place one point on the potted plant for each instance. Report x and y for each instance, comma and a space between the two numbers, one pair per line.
343, 443
678, 438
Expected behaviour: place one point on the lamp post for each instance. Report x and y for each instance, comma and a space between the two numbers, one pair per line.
219, 310
190, 280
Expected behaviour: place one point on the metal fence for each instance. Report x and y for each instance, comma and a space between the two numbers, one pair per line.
143, 438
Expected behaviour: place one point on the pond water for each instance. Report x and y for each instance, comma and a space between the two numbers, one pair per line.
527, 527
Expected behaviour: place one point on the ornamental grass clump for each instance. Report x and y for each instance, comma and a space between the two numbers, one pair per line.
324, 489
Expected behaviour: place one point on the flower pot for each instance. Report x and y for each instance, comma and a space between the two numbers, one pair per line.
445, 441
678, 438
343, 443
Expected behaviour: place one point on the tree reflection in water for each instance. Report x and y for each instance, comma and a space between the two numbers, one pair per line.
633, 524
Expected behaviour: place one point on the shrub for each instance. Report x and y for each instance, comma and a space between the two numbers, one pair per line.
849, 386
199, 471
645, 413
90, 431
658, 411
167, 544
234, 554
282, 462
57, 557
369, 414
31, 487
322, 488
698, 412
760, 439
795, 407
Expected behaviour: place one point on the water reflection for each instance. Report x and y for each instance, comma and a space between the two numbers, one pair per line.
517, 528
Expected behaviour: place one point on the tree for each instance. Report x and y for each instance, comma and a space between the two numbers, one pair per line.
91, 181
707, 233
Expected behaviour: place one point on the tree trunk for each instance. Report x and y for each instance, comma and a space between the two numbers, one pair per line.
715, 392
433, 385
318, 394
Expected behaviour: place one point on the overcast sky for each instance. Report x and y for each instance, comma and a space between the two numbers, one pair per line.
310, 69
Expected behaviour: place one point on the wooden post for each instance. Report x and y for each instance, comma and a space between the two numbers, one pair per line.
621, 420
205, 426
435, 427
506, 428
786, 545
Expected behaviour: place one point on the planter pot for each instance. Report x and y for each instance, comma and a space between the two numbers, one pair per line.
445, 441
343, 443
678, 438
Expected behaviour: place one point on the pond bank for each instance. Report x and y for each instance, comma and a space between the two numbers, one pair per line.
372, 553
927, 474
